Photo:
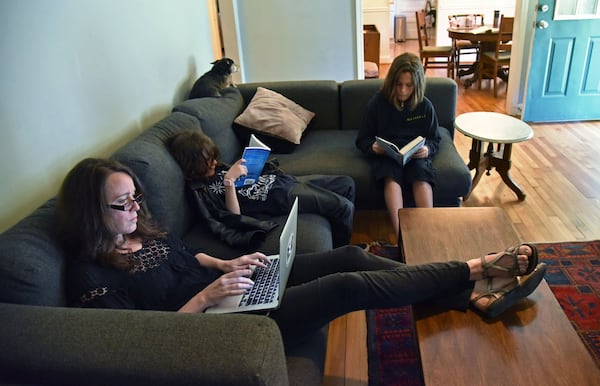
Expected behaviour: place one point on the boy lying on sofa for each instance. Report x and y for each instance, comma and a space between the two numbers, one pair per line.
237, 214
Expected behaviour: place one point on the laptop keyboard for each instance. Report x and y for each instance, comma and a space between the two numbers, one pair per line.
265, 285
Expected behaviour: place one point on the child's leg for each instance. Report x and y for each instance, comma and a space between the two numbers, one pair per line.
392, 192
342, 185
337, 208
423, 193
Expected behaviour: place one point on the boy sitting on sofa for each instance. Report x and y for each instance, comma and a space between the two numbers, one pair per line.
239, 215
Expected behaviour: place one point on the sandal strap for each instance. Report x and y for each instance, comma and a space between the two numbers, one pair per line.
533, 259
496, 293
512, 270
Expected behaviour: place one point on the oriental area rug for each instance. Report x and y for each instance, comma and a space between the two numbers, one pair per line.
573, 276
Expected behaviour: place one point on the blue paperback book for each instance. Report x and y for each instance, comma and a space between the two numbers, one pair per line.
256, 155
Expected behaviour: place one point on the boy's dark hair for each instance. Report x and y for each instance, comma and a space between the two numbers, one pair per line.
194, 151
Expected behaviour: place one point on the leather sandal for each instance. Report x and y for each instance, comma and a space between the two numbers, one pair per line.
503, 298
513, 270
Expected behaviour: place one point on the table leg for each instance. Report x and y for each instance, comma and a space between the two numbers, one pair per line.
484, 162
503, 167
471, 70
477, 161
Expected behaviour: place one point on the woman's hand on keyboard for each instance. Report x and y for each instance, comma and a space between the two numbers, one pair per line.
229, 284
245, 262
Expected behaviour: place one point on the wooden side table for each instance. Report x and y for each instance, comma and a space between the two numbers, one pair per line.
500, 131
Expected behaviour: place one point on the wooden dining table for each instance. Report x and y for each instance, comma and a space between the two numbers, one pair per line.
485, 37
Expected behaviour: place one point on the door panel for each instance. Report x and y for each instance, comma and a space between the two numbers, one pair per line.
592, 78
563, 80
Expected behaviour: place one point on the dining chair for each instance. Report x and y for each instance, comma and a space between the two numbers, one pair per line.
497, 62
465, 47
428, 52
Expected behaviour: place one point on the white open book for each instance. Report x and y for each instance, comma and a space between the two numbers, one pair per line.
401, 155
255, 154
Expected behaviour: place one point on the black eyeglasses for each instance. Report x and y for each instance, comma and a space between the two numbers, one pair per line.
129, 204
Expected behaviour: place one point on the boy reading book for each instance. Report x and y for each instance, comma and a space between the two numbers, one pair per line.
400, 112
232, 212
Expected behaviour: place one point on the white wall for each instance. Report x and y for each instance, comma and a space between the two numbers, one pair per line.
80, 78
407, 8
298, 40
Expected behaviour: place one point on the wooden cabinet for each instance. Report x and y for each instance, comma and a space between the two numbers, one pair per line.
380, 13
371, 39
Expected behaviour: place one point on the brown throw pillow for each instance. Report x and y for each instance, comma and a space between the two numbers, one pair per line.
272, 114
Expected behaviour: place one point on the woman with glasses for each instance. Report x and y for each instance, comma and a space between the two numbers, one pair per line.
121, 259
231, 212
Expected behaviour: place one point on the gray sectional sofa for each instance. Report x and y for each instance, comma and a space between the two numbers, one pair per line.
45, 342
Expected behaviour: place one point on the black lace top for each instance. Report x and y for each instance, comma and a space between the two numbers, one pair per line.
165, 276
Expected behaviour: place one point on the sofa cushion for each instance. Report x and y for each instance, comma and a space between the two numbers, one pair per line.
277, 145
270, 114
216, 116
442, 93
344, 158
314, 235
32, 263
334, 152
159, 173
318, 96
354, 98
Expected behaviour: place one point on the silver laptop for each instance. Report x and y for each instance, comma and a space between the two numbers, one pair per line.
270, 282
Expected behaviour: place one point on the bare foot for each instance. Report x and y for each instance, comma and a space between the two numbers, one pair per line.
504, 264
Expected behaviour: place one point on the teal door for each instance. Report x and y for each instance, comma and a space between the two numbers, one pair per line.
564, 76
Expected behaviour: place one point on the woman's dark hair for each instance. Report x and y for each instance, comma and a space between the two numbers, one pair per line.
83, 215
411, 63
194, 151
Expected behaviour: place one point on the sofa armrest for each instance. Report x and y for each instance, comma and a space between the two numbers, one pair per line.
53, 345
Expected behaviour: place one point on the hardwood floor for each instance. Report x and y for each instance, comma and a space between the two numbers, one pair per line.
557, 169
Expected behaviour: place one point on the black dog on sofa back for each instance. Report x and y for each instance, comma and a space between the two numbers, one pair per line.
216, 79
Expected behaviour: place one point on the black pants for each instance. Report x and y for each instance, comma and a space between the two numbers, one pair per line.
332, 196
325, 285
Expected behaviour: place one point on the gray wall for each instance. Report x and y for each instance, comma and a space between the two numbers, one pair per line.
80, 77
298, 40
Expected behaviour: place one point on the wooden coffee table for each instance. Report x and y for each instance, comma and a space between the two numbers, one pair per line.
532, 343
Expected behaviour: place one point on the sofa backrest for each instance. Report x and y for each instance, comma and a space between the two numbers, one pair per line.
319, 96
355, 95
442, 92
161, 178
158, 171
32, 263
